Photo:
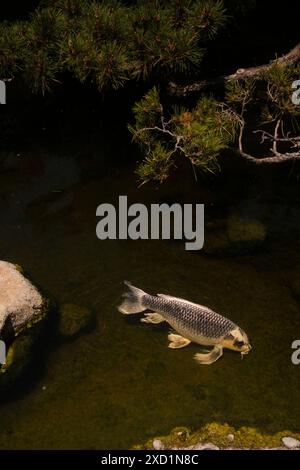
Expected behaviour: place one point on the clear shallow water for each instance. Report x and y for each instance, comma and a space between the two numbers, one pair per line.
120, 384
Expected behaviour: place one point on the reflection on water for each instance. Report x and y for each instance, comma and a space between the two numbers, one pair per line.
121, 384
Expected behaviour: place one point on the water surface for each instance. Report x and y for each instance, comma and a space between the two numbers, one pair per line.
120, 384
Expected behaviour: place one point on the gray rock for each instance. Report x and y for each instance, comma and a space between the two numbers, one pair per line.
291, 442
230, 437
21, 304
158, 444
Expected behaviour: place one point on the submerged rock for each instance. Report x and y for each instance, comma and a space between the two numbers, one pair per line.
74, 320
235, 235
21, 304
245, 234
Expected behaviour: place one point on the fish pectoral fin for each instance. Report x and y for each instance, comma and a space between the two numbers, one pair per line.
210, 357
177, 341
206, 351
153, 318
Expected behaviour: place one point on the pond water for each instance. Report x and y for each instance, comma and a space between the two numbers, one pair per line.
120, 384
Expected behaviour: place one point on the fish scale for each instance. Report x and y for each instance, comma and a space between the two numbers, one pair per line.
194, 319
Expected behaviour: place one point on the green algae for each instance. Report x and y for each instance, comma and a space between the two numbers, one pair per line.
74, 320
19, 268
245, 233
234, 235
221, 435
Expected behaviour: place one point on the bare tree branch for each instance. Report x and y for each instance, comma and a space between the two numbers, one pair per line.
275, 137
278, 158
267, 136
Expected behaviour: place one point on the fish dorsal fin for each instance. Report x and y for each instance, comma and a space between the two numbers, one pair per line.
171, 297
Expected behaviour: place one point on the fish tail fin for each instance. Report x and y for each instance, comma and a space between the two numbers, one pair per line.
133, 300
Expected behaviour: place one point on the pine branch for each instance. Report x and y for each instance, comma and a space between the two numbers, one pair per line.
292, 57
278, 158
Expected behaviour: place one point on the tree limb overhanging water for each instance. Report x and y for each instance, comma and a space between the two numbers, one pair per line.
292, 57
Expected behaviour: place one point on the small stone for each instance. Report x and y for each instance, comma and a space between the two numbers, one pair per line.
207, 446
230, 437
44, 387
158, 444
291, 442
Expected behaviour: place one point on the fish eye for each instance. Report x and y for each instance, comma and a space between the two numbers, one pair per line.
239, 344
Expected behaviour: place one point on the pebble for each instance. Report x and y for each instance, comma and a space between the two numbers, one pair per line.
230, 437
158, 445
291, 442
207, 446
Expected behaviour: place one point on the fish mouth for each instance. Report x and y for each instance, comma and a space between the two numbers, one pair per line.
247, 348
